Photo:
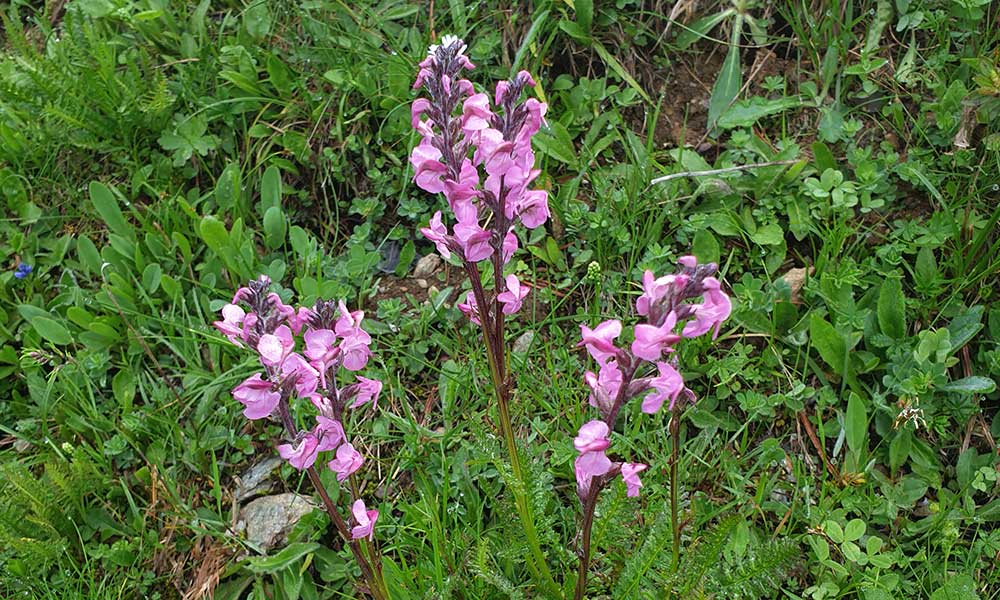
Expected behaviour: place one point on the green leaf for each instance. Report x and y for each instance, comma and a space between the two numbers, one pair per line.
769, 235
107, 207
227, 188
856, 423
274, 227
700, 28
151, 277
891, 307
961, 587
270, 189
899, 448
823, 157
290, 555
257, 18
726, 87
747, 112
834, 531
964, 327
89, 257
620, 70
970, 385
854, 530
705, 247
215, 234
830, 343
558, 144
584, 14
406, 256
52, 330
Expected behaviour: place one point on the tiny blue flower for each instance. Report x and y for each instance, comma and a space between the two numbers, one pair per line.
22, 271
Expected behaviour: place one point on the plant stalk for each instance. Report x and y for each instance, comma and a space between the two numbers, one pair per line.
588, 522
675, 430
497, 358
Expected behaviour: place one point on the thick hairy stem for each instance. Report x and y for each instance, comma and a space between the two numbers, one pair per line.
497, 358
589, 507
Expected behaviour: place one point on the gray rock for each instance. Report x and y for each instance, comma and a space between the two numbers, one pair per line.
523, 342
426, 266
257, 479
267, 521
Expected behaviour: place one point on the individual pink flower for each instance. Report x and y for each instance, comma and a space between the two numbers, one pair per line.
587, 466
355, 350
329, 432
286, 312
366, 390
274, 348
593, 437
258, 396
428, 170
600, 341
348, 461
509, 246
711, 313
651, 342
301, 455
365, 520
437, 233
476, 113
475, 241
470, 309
300, 319
514, 296
231, 324
688, 261
306, 377
605, 386
667, 385
534, 208
630, 474
654, 289
322, 350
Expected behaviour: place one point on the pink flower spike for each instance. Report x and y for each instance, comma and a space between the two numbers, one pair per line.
257, 396
367, 391
514, 296
365, 520
630, 474
669, 384
231, 323
593, 437
301, 455
273, 348
329, 432
469, 308
600, 340
348, 461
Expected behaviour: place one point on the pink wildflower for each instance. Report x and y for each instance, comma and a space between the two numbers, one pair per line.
365, 520
514, 296
348, 461
630, 474
301, 455
258, 396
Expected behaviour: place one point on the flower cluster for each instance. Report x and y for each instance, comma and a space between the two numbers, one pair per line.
664, 304
479, 156
333, 340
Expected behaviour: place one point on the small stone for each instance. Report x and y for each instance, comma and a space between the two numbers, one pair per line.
267, 521
523, 342
422, 283
426, 266
796, 278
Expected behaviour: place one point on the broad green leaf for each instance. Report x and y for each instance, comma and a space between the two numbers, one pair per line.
52, 330
705, 246
970, 385
834, 531
965, 326
899, 448
769, 235
726, 87
700, 28
257, 18
829, 342
891, 309
856, 423
89, 257
151, 277
215, 234
854, 529
799, 219
270, 189
107, 207
584, 14
274, 227
558, 144
823, 157
747, 112
227, 188
406, 256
